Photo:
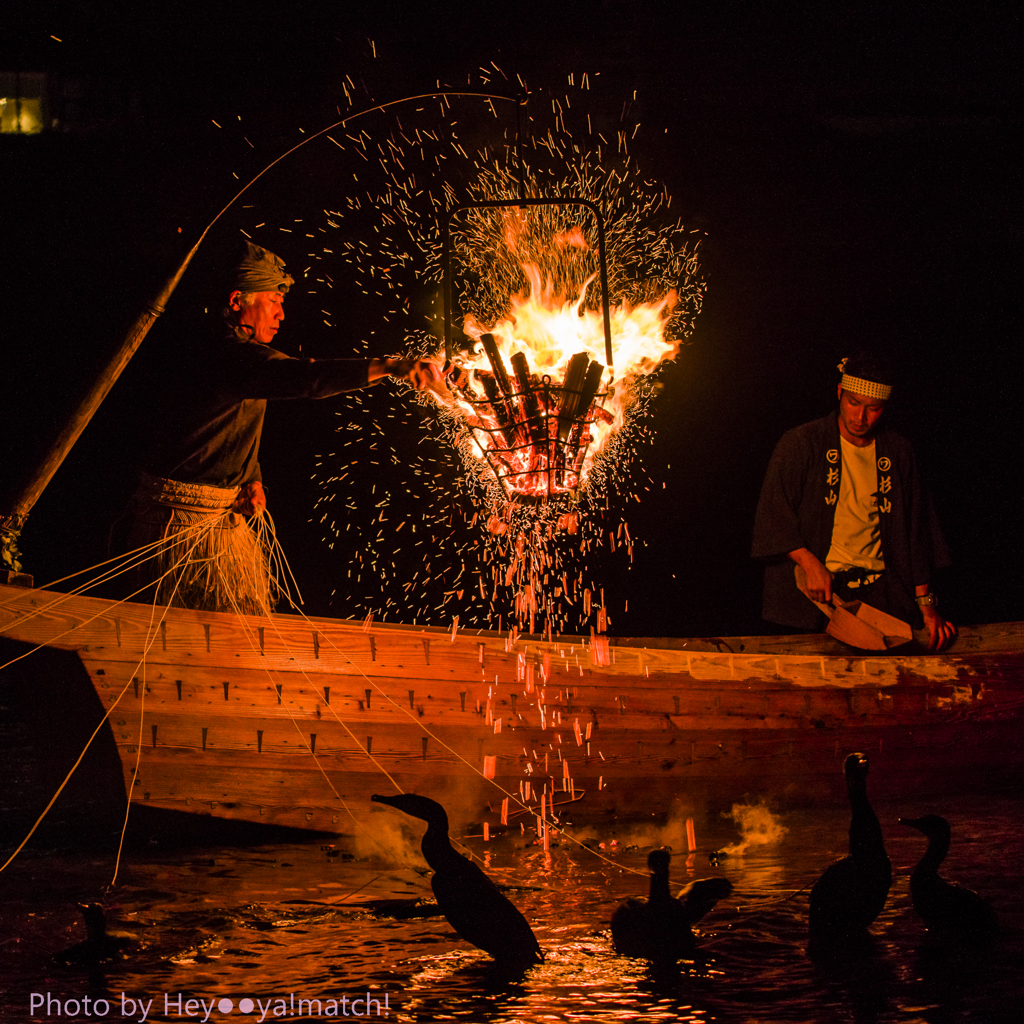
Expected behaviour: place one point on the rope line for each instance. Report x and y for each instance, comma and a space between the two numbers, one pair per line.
151, 638
103, 611
512, 796
88, 743
124, 555
127, 566
443, 93
248, 635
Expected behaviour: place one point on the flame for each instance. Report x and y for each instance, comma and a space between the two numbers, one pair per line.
526, 436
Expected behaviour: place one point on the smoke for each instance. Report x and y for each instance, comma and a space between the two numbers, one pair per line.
645, 835
392, 835
757, 827
391, 839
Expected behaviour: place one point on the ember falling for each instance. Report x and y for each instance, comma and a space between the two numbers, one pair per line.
531, 454
535, 437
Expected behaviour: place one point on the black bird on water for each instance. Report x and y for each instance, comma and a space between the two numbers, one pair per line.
472, 903
852, 891
660, 928
99, 944
945, 906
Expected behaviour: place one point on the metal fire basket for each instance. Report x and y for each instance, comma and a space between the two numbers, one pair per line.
537, 447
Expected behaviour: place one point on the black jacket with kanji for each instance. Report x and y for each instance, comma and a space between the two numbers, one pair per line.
797, 510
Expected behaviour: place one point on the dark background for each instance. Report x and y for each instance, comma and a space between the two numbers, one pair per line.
853, 166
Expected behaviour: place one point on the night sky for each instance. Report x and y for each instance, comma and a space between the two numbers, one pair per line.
852, 166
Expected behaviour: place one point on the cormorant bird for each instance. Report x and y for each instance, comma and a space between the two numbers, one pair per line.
852, 891
945, 906
99, 943
659, 928
470, 901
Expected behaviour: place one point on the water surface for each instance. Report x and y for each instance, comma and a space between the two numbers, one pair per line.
263, 923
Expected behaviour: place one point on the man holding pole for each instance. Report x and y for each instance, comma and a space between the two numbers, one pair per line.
203, 479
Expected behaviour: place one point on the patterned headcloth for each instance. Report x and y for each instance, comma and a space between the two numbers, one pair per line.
260, 271
860, 386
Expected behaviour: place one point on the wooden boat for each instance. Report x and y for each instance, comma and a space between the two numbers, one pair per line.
295, 721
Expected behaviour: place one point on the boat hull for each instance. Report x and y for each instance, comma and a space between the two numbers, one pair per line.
295, 721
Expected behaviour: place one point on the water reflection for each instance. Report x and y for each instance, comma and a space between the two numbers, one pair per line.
292, 920
856, 972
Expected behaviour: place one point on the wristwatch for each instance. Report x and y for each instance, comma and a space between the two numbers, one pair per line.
927, 601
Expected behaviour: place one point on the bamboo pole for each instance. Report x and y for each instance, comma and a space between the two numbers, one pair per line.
12, 518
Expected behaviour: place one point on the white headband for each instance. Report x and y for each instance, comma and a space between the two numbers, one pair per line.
868, 388
865, 387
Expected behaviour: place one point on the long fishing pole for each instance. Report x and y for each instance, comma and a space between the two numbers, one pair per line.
12, 519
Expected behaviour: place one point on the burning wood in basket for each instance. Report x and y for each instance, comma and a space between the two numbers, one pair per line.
533, 430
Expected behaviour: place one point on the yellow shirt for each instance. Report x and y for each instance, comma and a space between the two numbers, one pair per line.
856, 541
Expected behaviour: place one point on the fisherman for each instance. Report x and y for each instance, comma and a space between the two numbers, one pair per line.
843, 500
202, 491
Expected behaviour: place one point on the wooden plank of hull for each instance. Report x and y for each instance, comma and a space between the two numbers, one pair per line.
275, 795
997, 638
845, 673
213, 754
235, 704
399, 652
593, 700
637, 777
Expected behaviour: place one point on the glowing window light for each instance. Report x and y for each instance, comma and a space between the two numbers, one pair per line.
22, 104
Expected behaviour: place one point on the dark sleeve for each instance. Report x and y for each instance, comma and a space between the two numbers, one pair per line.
263, 372
776, 523
928, 549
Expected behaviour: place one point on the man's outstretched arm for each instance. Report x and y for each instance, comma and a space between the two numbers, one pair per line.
420, 373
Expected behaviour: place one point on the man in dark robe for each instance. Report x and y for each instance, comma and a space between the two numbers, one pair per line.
203, 477
843, 500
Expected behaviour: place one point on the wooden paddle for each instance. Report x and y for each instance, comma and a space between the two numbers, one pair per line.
857, 623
